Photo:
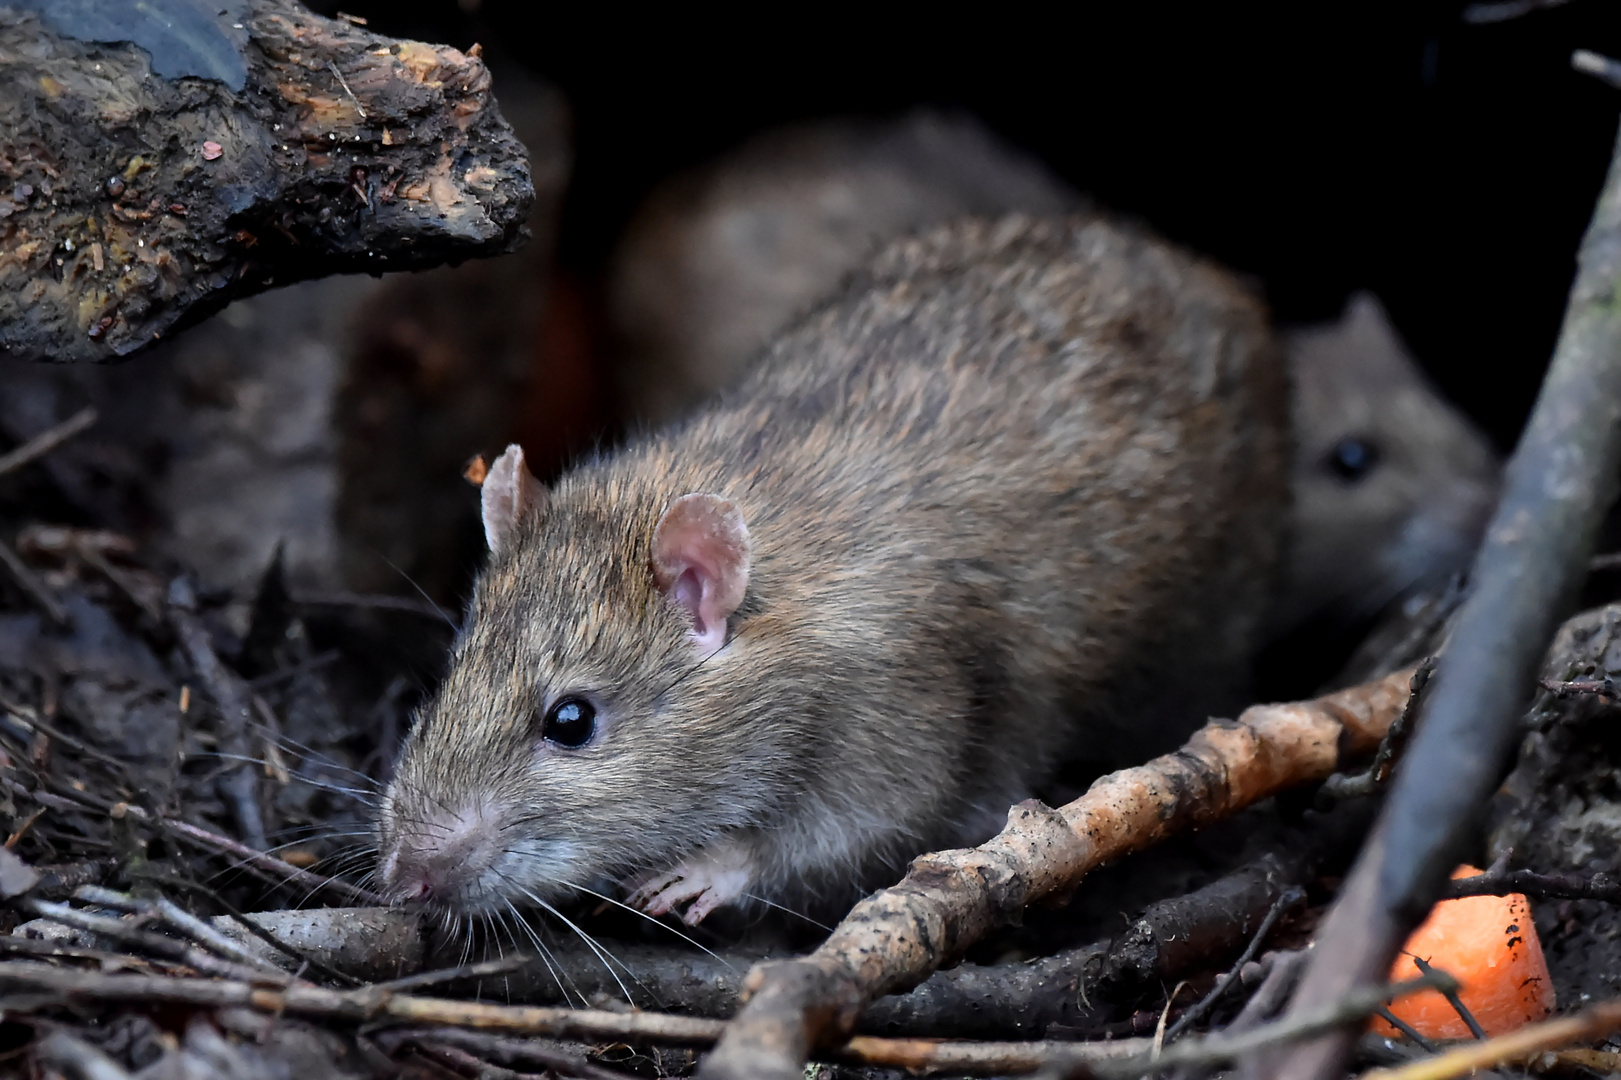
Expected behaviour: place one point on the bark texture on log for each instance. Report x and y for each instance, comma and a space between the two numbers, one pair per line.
140, 191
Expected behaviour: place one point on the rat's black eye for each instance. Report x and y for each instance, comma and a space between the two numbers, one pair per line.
1353, 458
571, 722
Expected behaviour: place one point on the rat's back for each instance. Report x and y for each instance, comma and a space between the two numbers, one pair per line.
1012, 497
1019, 477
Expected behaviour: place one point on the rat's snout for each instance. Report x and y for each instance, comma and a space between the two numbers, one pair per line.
439, 857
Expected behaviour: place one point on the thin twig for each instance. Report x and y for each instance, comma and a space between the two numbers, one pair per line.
461, 1062
181, 920
281, 872
1290, 898
30, 583
365, 1005
1348, 786
1451, 994
234, 701
179, 952
122, 580
300, 960
47, 440
1543, 886
1595, 1022
1224, 1049
1604, 688
483, 969
501, 1048
1557, 487
46, 947
1405, 1028
28, 718
345, 84
954, 1057
1282, 970
65, 1055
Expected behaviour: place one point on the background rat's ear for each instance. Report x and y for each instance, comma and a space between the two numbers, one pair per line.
509, 492
701, 561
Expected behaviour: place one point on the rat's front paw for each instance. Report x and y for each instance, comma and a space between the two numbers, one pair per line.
703, 883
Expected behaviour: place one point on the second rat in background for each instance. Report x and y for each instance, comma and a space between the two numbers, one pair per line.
1391, 485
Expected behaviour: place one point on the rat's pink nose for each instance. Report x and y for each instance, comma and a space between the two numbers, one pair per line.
417, 890
429, 875
437, 857
413, 882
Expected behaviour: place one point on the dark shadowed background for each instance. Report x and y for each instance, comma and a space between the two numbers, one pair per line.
1449, 165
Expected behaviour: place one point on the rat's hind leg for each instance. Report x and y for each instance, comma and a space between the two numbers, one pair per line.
703, 882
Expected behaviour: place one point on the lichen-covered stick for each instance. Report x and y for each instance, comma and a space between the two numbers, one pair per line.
949, 899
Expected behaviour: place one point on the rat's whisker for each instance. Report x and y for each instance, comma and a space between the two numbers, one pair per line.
788, 911
454, 629
278, 879
338, 867
560, 828
607, 958
310, 754
293, 777
690, 672
317, 829
467, 943
431, 797
656, 922
545, 955
423, 823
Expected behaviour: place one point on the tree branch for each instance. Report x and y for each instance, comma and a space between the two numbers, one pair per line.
895, 937
1557, 488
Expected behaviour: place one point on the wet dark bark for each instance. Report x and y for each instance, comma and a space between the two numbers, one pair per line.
241, 144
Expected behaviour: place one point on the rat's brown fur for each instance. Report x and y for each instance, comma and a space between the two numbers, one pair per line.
1417, 516
1013, 468
720, 259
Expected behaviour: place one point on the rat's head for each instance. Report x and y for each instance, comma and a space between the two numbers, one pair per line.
1392, 486
580, 730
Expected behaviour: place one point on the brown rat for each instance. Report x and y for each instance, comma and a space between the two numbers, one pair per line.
720, 259
1391, 484
942, 536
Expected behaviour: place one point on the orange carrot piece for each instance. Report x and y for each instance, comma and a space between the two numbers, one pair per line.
1490, 945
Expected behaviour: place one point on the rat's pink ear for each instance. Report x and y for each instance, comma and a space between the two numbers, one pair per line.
509, 492
701, 561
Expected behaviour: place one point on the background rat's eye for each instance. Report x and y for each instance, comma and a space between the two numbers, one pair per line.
1353, 458
571, 722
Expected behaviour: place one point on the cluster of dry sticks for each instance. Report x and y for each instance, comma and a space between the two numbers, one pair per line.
874, 994
809, 1007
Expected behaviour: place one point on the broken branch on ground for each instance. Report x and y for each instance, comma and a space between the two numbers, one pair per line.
947, 900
